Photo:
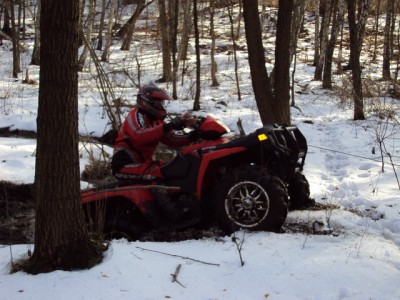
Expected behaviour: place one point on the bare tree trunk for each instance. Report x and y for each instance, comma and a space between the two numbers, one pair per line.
186, 28
324, 40
337, 22
196, 103
387, 43
36, 47
259, 76
297, 21
61, 238
230, 13
174, 42
317, 40
376, 27
88, 33
165, 43
101, 25
282, 61
214, 81
355, 51
131, 24
104, 55
15, 40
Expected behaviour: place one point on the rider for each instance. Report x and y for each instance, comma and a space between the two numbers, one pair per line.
139, 135
142, 130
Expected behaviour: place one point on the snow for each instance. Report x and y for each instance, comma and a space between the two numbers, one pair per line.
359, 259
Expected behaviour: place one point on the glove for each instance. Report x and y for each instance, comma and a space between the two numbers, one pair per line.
175, 124
187, 119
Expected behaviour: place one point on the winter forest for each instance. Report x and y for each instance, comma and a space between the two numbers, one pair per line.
69, 75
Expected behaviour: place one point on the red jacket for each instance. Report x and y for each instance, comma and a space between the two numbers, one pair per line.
140, 134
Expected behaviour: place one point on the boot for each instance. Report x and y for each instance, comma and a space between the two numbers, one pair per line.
169, 209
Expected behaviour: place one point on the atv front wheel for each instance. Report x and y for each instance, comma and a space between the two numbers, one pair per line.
299, 192
251, 198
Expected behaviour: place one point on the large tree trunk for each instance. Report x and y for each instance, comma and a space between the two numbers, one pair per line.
338, 18
387, 43
104, 55
131, 24
186, 28
259, 76
36, 46
355, 51
101, 25
297, 21
214, 81
165, 42
16, 50
196, 103
317, 40
324, 40
87, 34
61, 239
282, 62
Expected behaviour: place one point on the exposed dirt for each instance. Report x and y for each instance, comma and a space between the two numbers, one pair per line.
16, 213
17, 220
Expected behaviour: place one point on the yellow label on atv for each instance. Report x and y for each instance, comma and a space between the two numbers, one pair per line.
262, 137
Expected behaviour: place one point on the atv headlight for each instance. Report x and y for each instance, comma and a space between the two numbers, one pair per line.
262, 137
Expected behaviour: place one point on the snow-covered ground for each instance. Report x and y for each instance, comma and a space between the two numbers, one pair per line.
359, 260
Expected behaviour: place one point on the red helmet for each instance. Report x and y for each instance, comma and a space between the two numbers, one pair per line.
151, 100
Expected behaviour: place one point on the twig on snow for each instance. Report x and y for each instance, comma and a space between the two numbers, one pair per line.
196, 260
175, 275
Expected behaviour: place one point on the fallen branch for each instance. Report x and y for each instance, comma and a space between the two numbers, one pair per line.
175, 275
174, 255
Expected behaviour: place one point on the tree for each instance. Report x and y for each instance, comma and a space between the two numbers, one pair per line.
259, 76
10, 4
272, 101
128, 29
165, 42
282, 61
196, 103
387, 43
324, 35
61, 238
106, 51
87, 33
214, 80
36, 46
337, 22
356, 36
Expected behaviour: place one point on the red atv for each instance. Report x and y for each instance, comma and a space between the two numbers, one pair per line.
245, 182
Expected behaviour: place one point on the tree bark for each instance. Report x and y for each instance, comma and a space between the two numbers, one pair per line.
88, 33
324, 40
355, 51
214, 80
196, 103
16, 50
282, 62
61, 239
338, 18
259, 76
387, 43
101, 25
104, 55
131, 24
165, 42
36, 46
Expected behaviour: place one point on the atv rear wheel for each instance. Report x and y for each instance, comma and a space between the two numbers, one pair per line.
251, 198
123, 220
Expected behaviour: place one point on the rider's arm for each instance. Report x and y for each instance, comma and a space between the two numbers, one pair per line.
139, 130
